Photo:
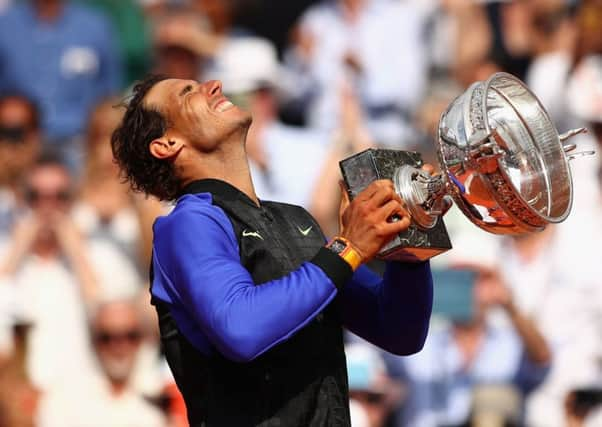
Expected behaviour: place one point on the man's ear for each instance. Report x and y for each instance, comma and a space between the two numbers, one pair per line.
166, 147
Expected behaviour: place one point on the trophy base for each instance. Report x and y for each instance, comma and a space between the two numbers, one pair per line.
414, 244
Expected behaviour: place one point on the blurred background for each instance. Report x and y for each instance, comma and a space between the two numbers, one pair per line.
516, 334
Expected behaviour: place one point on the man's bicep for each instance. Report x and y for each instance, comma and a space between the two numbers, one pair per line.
198, 252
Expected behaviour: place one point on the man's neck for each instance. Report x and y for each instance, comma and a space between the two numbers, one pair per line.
229, 164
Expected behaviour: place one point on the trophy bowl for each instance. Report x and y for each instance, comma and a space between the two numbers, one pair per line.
502, 161
502, 158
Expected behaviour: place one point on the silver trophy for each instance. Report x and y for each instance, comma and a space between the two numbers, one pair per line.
502, 161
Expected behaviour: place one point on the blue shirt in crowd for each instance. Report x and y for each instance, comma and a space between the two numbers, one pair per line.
440, 384
65, 65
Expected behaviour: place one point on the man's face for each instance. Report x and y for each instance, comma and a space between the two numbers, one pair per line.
117, 336
19, 138
198, 112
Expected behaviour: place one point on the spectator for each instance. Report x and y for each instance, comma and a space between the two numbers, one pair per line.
220, 15
285, 160
134, 36
372, 392
377, 48
40, 240
181, 46
47, 244
19, 143
110, 400
351, 137
106, 210
63, 56
553, 35
471, 353
555, 282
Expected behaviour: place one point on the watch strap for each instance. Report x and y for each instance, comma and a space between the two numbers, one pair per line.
349, 254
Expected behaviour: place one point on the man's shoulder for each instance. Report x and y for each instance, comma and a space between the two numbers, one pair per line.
285, 207
294, 215
191, 208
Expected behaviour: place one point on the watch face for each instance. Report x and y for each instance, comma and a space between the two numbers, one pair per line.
338, 246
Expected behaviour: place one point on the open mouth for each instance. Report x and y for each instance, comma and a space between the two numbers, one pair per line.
223, 105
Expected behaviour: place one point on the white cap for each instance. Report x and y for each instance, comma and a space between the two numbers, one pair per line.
244, 64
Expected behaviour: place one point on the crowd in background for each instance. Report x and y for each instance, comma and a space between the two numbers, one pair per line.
516, 333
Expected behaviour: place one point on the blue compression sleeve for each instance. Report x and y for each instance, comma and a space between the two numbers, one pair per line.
392, 313
198, 270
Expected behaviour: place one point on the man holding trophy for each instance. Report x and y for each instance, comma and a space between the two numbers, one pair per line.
251, 300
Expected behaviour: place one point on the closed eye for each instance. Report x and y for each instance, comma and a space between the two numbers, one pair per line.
185, 90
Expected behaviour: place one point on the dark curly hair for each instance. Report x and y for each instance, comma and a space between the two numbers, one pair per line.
130, 144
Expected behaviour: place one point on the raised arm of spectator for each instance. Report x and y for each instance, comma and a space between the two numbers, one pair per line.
498, 293
351, 137
73, 247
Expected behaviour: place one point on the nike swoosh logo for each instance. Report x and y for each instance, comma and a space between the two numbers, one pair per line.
246, 233
306, 231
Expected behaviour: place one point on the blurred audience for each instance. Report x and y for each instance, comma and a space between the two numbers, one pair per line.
468, 363
132, 33
105, 209
357, 74
46, 243
116, 332
47, 265
64, 56
181, 46
374, 395
555, 282
19, 145
377, 48
553, 39
285, 160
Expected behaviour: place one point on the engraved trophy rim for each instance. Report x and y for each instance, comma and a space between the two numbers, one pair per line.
538, 219
516, 214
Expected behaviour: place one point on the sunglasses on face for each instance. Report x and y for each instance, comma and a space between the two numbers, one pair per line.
33, 196
14, 134
107, 337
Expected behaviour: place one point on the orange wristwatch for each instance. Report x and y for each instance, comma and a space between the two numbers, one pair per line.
343, 248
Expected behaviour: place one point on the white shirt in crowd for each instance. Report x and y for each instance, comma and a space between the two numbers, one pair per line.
90, 403
57, 343
295, 157
560, 290
49, 297
387, 41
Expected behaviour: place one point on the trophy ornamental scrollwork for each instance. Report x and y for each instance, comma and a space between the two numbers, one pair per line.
502, 162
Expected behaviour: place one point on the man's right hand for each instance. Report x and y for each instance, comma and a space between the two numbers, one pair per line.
366, 221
